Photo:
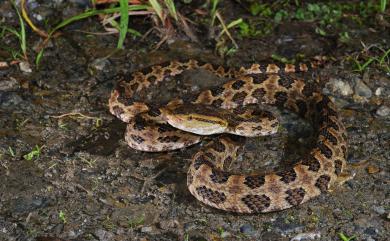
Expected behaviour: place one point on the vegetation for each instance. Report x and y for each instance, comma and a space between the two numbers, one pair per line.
167, 19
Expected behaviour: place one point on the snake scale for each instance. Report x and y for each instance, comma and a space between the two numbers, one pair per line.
151, 127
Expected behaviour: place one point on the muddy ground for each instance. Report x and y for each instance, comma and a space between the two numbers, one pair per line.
85, 183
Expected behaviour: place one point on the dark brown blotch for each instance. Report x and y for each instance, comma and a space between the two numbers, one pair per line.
238, 84
134, 86
254, 181
139, 124
210, 195
152, 78
322, 183
287, 176
239, 97
256, 203
328, 136
309, 89
259, 78
295, 196
209, 155
219, 176
338, 165
217, 90
258, 94
137, 139
286, 81
217, 103
154, 112
325, 119
322, 104
324, 149
280, 98
200, 160
218, 146
168, 139
165, 128
302, 108
313, 164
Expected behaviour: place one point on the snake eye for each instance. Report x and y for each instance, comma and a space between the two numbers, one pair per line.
190, 117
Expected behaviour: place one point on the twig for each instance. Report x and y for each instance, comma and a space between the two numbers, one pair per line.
225, 29
74, 114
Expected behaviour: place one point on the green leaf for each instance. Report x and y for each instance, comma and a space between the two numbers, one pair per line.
157, 8
124, 22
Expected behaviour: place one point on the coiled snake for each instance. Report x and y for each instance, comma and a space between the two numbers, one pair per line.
231, 108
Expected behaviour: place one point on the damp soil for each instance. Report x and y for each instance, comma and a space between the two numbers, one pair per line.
85, 183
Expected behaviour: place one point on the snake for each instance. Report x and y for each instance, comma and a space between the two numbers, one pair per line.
224, 111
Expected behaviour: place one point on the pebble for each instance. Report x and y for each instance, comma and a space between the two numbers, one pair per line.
103, 235
371, 231
146, 229
378, 91
337, 85
247, 229
285, 228
100, 64
379, 209
9, 99
225, 234
9, 84
383, 111
306, 236
362, 90
25, 67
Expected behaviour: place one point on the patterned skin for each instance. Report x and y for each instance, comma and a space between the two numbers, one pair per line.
150, 128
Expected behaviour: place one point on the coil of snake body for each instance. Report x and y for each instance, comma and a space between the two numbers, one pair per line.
150, 128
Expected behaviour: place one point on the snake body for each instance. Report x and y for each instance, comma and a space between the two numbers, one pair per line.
151, 127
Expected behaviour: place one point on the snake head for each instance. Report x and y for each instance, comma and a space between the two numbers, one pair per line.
198, 119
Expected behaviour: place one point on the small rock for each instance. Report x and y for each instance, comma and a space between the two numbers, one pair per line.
9, 84
3, 64
337, 85
378, 91
25, 67
247, 229
9, 99
284, 227
371, 231
383, 111
99, 64
361, 89
146, 229
103, 235
306, 236
225, 234
379, 210
372, 169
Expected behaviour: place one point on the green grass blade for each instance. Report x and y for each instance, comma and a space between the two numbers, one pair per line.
384, 56
157, 8
22, 33
124, 23
214, 4
171, 8
383, 5
234, 23
93, 13
39, 58
11, 30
